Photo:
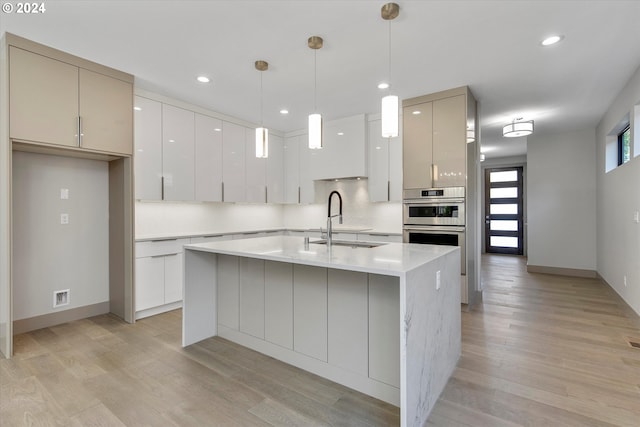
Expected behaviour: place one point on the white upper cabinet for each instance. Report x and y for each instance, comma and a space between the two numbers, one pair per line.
255, 170
233, 162
275, 170
434, 139
417, 143
178, 153
450, 142
385, 165
344, 152
208, 159
148, 149
291, 149
307, 160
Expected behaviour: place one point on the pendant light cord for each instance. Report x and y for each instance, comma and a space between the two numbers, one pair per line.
389, 88
261, 103
315, 80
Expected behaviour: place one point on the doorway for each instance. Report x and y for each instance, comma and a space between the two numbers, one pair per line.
504, 210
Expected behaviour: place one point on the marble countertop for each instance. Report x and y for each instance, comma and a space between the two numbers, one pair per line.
337, 229
393, 259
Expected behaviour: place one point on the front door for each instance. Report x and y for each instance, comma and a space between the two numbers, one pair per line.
504, 210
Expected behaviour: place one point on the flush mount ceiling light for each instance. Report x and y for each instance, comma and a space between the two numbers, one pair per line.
315, 119
262, 133
518, 128
551, 40
203, 79
389, 106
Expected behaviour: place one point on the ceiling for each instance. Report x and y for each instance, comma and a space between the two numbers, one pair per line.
492, 46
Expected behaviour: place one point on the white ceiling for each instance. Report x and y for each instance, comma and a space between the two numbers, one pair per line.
492, 46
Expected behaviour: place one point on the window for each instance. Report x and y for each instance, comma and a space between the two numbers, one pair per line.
624, 146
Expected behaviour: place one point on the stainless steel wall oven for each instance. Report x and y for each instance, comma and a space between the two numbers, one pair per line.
436, 217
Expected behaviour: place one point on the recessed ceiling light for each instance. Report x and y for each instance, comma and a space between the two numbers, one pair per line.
383, 85
416, 112
203, 79
137, 108
284, 111
551, 40
340, 133
218, 129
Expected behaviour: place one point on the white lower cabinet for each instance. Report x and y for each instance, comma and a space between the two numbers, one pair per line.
310, 311
278, 303
348, 320
159, 281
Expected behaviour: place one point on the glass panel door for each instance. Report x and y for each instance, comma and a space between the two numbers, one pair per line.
503, 211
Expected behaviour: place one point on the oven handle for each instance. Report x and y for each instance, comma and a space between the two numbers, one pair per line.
432, 228
432, 201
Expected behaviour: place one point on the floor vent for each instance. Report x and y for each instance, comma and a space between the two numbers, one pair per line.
634, 344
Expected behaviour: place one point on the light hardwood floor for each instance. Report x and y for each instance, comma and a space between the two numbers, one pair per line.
539, 351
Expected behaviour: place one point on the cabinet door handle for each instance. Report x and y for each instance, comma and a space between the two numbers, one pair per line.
164, 240
298, 194
388, 191
79, 131
162, 188
222, 184
265, 194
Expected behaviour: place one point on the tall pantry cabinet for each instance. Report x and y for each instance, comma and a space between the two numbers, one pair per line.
56, 104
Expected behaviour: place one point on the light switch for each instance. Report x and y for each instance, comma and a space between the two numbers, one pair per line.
64, 219
64, 193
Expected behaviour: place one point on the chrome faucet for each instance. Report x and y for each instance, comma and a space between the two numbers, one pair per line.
329, 216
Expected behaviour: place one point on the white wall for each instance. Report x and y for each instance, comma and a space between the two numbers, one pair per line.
618, 198
49, 256
561, 200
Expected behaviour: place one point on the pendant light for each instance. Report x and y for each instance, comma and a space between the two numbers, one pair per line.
390, 105
518, 128
262, 133
315, 119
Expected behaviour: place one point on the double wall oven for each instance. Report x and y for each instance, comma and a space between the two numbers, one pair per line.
435, 216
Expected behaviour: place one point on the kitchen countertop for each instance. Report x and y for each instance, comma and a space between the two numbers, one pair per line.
336, 229
393, 259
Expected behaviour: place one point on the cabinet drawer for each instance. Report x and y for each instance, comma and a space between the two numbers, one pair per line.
160, 247
207, 239
392, 238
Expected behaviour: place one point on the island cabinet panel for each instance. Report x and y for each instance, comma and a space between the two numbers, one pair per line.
310, 311
384, 333
348, 320
252, 297
228, 291
278, 303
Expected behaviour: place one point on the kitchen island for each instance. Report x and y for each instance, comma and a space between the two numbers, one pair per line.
383, 319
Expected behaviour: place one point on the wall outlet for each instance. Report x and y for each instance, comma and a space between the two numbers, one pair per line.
438, 280
624, 280
64, 219
64, 193
60, 298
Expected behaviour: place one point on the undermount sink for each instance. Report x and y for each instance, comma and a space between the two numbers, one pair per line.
353, 244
